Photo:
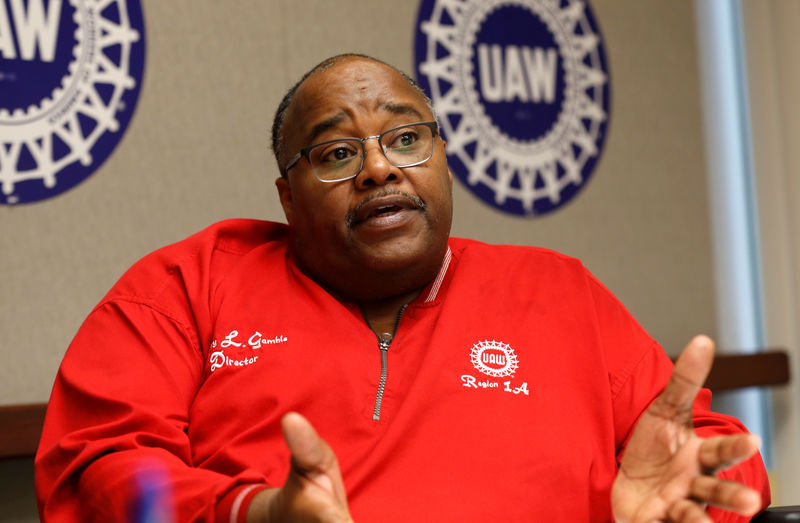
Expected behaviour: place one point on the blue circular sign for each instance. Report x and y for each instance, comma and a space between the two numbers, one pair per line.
70, 75
521, 88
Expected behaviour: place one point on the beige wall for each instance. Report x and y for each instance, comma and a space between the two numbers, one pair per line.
197, 151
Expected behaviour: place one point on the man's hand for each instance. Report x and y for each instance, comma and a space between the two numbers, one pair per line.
668, 472
313, 491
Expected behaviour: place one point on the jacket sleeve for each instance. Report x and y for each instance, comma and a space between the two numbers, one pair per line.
639, 370
114, 445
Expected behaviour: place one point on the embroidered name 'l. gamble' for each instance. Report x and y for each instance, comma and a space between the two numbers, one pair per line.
237, 350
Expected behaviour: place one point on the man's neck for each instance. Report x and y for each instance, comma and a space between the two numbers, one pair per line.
382, 315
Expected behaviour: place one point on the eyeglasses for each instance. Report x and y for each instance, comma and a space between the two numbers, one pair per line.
342, 159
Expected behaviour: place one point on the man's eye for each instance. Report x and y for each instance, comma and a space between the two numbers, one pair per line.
405, 139
340, 153
337, 153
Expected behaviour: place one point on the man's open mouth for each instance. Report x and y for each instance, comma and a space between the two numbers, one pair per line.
383, 206
385, 211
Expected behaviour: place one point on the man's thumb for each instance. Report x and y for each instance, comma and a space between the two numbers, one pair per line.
311, 456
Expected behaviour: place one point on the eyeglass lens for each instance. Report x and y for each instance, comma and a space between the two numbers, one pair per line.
341, 159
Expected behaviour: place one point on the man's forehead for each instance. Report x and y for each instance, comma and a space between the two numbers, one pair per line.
342, 117
345, 91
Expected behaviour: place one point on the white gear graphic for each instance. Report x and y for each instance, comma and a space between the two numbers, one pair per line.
57, 116
566, 146
509, 367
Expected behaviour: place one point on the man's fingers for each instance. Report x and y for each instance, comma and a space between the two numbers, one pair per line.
721, 452
687, 511
725, 494
688, 376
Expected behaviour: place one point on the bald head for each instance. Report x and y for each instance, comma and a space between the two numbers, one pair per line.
279, 124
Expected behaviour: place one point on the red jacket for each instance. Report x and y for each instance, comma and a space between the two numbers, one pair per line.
511, 385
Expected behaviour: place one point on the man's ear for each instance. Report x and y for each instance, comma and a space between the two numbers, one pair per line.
285, 195
449, 172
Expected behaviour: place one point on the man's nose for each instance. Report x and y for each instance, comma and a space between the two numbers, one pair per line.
377, 169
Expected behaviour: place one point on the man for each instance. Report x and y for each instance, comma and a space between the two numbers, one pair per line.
454, 381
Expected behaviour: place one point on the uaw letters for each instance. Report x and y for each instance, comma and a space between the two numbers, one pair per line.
523, 73
35, 28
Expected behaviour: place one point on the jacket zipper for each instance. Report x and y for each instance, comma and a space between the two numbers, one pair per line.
384, 340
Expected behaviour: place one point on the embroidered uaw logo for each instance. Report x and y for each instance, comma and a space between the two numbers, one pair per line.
521, 88
70, 74
494, 358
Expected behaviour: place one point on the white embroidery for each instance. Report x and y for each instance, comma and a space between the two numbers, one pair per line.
256, 341
494, 358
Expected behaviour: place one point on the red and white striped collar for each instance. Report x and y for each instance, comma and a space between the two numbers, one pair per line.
437, 283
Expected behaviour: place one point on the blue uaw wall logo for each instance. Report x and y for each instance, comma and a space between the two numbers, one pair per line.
70, 73
521, 88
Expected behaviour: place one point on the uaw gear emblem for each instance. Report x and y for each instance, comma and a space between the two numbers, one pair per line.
494, 358
521, 88
70, 74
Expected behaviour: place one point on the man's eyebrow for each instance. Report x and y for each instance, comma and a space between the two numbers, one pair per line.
336, 119
400, 109
324, 125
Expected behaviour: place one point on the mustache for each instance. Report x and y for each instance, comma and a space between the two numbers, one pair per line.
350, 218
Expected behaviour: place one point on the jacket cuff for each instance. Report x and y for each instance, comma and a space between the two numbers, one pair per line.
232, 507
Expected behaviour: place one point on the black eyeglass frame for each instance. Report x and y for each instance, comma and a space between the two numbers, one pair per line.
305, 152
